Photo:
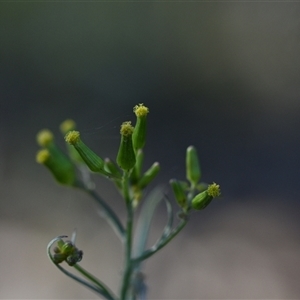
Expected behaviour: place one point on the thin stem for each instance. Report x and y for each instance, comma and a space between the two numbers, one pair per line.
160, 245
108, 213
191, 194
125, 187
101, 285
128, 241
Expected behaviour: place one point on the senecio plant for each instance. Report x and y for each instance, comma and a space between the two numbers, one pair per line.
130, 180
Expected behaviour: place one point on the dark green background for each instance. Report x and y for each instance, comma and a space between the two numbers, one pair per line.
223, 76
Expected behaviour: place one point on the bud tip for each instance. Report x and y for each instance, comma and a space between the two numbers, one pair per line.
141, 110
67, 126
72, 137
44, 137
42, 156
126, 129
214, 190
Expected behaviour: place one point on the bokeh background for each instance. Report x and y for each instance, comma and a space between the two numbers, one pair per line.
223, 76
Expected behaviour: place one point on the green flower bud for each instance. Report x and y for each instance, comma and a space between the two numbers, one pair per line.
92, 160
54, 159
59, 164
139, 134
44, 138
65, 127
179, 193
149, 175
60, 244
58, 258
201, 200
193, 172
68, 252
113, 169
74, 258
126, 156
67, 248
137, 170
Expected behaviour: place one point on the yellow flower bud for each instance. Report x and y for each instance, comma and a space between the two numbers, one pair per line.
214, 190
59, 165
72, 137
141, 110
67, 126
42, 156
92, 160
45, 138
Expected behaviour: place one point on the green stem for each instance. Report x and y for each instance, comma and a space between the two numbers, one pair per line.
92, 278
128, 241
160, 245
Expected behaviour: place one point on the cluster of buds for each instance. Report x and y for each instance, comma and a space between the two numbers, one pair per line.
60, 165
182, 189
129, 158
66, 251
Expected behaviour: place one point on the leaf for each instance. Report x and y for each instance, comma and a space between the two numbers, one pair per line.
144, 221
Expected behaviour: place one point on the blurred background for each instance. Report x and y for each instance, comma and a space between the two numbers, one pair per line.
222, 76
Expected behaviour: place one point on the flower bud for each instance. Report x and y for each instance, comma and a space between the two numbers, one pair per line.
67, 248
60, 244
66, 126
68, 252
42, 156
74, 258
113, 169
179, 193
72, 137
149, 175
139, 134
59, 164
126, 156
193, 172
201, 200
44, 138
58, 258
92, 160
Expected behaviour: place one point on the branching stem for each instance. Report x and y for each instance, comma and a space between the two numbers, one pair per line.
160, 245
